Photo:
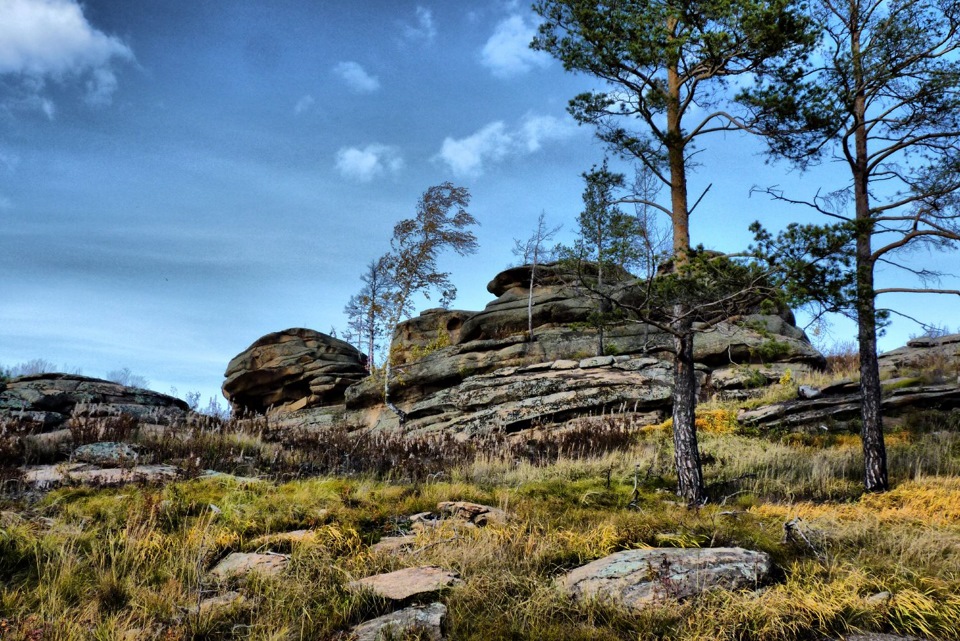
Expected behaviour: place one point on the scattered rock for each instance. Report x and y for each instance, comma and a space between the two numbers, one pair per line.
880, 598
637, 578
472, 512
217, 604
240, 564
407, 583
426, 621
106, 454
49, 476
294, 537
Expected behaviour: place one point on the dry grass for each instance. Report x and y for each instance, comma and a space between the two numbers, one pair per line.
85, 563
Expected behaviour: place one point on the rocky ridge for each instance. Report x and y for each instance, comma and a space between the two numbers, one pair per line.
465, 372
50, 400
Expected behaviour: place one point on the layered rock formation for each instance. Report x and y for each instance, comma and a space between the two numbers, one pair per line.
51, 399
923, 374
291, 370
469, 372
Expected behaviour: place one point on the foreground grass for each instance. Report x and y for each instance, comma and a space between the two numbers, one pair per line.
130, 563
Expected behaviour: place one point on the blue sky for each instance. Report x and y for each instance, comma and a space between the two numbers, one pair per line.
180, 177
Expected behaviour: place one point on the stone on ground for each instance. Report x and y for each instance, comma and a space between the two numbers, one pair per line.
637, 578
427, 621
241, 564
407, 583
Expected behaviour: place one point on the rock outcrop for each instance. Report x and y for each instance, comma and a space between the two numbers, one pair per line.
50, 400
923, 374
293, 369
469, 372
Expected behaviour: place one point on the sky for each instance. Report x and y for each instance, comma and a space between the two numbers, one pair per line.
181, 177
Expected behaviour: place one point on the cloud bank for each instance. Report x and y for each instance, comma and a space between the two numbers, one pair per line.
493, 143
356, 77
507, 53
44, 40
363, 165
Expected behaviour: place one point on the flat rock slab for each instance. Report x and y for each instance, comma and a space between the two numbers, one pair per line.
637, 578
294, 537
425, 621
48, 476
407, 583
240, 564
106, 454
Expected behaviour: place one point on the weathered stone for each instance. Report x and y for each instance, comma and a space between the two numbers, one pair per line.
106, 454
295, 368
424, 621
240, 564
50, 400
294, 537
49, 476
394, 544
936, 356
216, 605
596, 361
472, 512
637, 578
832, 406
407, 583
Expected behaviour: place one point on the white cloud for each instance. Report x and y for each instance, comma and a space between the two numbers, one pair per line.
363, 165
304, 104
536, 130
507, 53
356, 77
51, 39
424, 29
495, 142
467, 155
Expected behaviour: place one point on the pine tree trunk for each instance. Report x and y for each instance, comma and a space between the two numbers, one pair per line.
686, 450
874, 452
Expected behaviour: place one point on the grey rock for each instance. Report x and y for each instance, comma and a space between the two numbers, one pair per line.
426, 621
106, 454
50, 476
638, 578
596, 361
407, 583
50, 400
241, 564
806, 391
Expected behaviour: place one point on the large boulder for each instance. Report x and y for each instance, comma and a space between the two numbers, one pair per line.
50, 400
291, 370
638, 578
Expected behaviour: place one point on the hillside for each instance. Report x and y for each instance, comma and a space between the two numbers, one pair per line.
529, 495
